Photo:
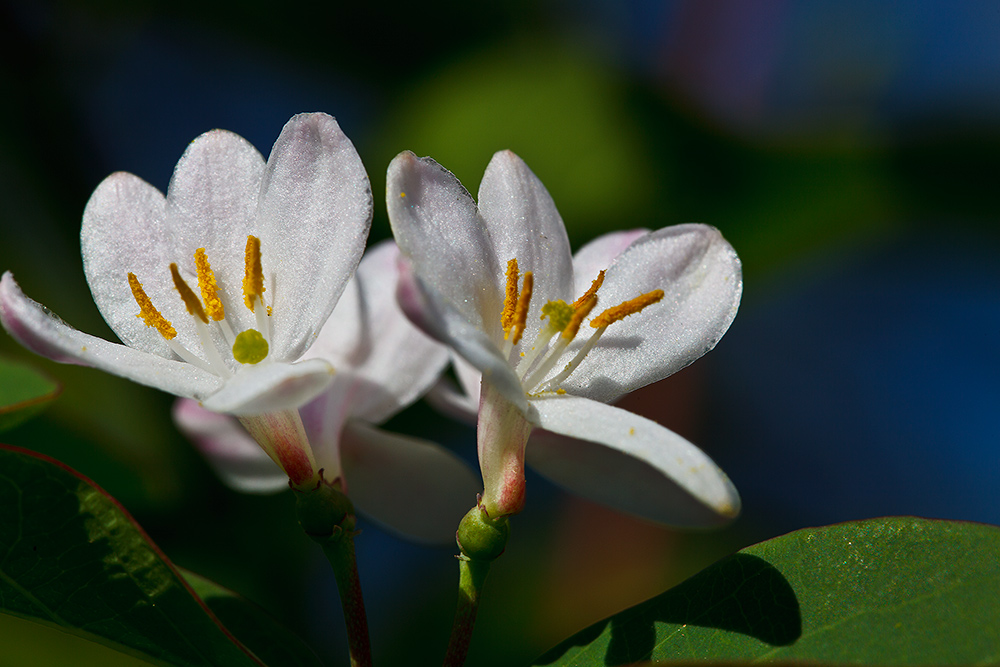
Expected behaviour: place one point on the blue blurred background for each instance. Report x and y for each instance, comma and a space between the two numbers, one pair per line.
848, 150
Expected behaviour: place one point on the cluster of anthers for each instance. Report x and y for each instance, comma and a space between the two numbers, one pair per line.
248, 347
565, 320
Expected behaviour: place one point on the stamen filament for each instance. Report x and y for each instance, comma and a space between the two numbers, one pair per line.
253, 279
572, 365
189, 356
623, 310
209, 287
148, 312
211, 351
191, 301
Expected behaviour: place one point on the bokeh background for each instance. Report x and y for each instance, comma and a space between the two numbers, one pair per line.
849, 150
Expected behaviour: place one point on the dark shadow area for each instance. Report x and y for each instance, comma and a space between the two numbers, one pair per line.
742, 594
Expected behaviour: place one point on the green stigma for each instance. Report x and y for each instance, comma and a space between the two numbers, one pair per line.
250, 347
559, 313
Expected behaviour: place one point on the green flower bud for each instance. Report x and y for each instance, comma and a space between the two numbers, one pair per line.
481, 538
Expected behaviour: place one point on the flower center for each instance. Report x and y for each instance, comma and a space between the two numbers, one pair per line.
248, 347
563, 319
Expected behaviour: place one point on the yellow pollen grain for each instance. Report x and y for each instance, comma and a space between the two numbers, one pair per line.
623, 310
209, 288
253, 279
510, 299
148, 312
594, 286
191, 301
579, 315
523, 302
402, 194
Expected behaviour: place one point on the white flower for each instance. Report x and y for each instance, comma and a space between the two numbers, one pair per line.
556, 337
383, 364
219, 288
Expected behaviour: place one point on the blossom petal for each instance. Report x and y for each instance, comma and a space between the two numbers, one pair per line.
411, 486
314, 214
438, 319
437, 226
42, 332
391, 363
524, 224
270, 387
234, 456
124, 230
629, 463
597, 256
212, 204
701, 277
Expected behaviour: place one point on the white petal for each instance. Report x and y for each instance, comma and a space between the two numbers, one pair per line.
630, 463
124, 231
269, 387
414, 487
42, 332
438, 228
438, 319
314, 213
461, 402
323, 419
701, 277
391, 363
524, 224
212, 204
234, 456
597, 256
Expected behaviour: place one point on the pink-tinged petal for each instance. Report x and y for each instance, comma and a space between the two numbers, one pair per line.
630, 463
283, 437
323, 419
124, 231
439, 320
501, 435
230, 451
212, 204
524, 224
314, 213
390, 362
437, 226
42, 332
597, 256
414, 487
270, 387
702, 282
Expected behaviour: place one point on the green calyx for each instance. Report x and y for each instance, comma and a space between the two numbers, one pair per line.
324, 512
481, 538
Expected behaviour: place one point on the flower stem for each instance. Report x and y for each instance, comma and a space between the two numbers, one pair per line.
340, 553
327, 516
481, 541
471, 577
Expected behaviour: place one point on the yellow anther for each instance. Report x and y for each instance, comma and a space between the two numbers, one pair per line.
250, 347
209, 288
148, 312
579, 315
253, 280
521, 312
594, 286
188, 295
559, 313
623, 310
510, 299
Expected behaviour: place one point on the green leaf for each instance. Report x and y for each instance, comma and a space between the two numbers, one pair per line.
269, 640
72, 558
24, 392
891, 591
